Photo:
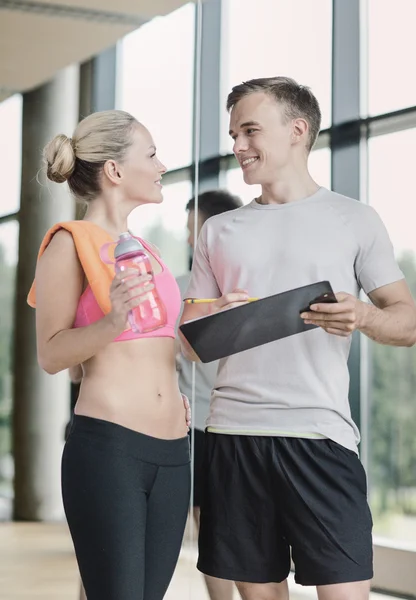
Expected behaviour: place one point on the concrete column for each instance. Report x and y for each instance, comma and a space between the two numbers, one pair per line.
41, 401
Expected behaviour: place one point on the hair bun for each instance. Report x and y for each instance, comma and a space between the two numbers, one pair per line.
60, 158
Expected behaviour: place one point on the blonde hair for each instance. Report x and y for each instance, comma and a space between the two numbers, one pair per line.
79, 160
298, 100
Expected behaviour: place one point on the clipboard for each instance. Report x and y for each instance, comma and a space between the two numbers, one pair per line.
256, 323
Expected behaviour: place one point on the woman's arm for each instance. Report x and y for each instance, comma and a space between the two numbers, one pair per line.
59, 282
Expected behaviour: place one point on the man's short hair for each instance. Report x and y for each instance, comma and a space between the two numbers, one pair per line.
298, 100
214, 202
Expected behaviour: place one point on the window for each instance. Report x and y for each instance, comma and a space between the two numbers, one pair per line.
392, 464
10, 153
156, 83
165, 225
320, 166
8, 261
289, 37
391, 51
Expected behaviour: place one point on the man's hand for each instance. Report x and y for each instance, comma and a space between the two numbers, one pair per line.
340, 318
236, 298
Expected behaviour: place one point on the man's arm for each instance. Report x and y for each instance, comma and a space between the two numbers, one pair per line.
390, 320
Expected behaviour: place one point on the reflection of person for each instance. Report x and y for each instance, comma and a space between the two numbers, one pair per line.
210, 203
125, 469
281, 447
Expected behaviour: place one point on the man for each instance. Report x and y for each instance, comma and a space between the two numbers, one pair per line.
282, 471
210, 203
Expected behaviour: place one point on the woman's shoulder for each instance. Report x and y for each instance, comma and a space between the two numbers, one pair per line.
60, 240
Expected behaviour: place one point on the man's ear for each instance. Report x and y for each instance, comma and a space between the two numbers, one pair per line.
112, 170
300, 130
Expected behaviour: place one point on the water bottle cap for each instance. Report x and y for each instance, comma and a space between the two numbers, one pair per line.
126, 244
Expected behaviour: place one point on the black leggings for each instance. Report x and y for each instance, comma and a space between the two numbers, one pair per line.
126, 498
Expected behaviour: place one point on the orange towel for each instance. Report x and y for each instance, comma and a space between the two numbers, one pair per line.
88, 239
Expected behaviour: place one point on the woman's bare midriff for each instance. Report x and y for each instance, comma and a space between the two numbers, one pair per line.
134, 384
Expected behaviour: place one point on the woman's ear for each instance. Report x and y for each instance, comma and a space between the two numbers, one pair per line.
112, 170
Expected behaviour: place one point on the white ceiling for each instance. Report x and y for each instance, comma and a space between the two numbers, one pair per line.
37, 38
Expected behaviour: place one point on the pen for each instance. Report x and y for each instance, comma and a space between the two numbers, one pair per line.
203, 300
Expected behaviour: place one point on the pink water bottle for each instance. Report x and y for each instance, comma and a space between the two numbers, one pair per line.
150, 314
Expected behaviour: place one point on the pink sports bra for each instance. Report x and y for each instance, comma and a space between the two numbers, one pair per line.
88, 310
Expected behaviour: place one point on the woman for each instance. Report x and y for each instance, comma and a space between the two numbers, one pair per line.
125, 468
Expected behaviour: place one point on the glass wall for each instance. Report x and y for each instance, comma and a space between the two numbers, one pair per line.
10, 153
156, 82
8, 261
391, 48
392, 467
10, 168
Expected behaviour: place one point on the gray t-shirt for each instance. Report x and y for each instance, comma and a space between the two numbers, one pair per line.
299, 385
205, 375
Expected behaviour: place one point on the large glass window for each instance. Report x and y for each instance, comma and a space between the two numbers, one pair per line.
10, 153
320, 166
391, 51
156, 82
165, 225
289, 37
8, 261
392, 466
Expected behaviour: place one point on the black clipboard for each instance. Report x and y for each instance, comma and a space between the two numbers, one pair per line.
254, 324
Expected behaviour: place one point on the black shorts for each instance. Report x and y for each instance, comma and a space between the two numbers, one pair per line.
265, 498
198, 457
